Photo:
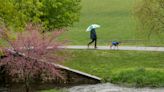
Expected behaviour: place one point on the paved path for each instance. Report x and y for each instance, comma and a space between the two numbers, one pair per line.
111, 88
137, 48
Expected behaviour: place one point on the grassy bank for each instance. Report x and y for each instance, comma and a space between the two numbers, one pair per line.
132, 68
117, 24
54, 90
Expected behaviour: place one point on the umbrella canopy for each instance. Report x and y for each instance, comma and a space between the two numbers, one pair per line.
93, 26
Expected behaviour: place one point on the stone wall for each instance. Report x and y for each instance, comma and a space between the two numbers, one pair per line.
72, 78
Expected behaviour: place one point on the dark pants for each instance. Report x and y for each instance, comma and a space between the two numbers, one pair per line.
93, 40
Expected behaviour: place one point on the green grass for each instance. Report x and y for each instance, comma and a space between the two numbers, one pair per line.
53, 90
117, 23
121, 67
140, 77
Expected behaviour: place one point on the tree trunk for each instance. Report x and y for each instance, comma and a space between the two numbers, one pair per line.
27, 86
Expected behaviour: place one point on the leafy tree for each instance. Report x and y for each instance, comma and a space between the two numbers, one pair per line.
29, 56
151, 16
60, 13
50, 13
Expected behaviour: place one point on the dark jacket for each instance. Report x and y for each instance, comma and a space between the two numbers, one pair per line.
93, 34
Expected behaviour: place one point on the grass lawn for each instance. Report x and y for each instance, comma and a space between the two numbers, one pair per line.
116, 20
53, 90
132, 68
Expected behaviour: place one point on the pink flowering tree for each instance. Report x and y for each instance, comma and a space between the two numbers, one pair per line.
28, 55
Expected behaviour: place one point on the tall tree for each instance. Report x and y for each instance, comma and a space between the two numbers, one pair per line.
151, 16
50, 13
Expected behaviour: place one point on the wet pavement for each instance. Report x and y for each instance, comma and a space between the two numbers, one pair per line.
135, 48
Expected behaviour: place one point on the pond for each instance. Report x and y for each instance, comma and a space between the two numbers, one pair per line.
108, 87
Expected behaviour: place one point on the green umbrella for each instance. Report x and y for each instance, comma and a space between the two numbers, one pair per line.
93, 26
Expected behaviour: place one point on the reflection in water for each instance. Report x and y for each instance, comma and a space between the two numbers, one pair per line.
111, 88
107, 87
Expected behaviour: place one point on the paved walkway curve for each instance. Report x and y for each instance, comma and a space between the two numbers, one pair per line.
137, 48
107, 87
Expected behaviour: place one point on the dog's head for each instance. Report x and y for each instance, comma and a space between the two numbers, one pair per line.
119, 42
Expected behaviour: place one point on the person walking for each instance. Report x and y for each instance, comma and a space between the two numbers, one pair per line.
93, 37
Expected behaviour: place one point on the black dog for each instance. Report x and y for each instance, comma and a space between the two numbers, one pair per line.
115, 44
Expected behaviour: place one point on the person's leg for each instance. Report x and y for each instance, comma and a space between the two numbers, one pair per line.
95, 43
90, 42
